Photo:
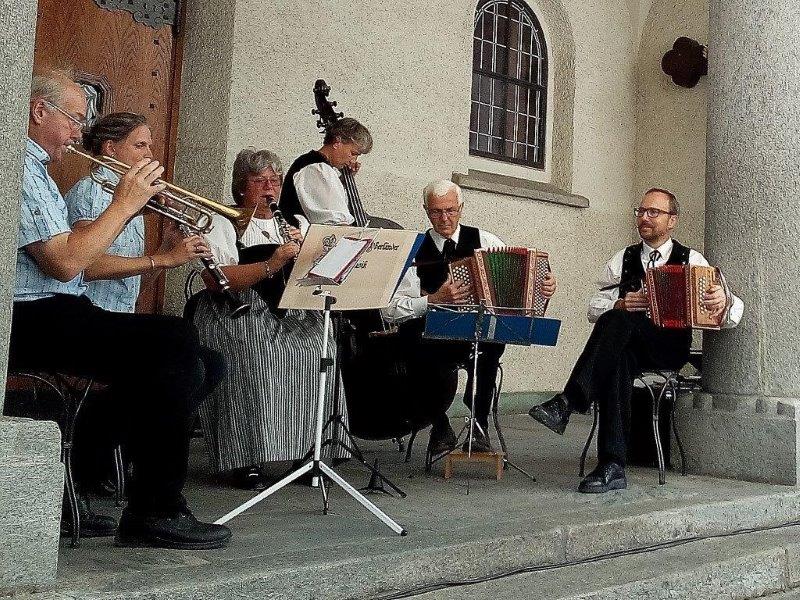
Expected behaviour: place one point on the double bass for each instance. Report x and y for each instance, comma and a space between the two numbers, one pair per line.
380, 381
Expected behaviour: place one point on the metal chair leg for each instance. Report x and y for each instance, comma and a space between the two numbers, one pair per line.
589, 440
119, 467
662, 479
410, 446
675, 428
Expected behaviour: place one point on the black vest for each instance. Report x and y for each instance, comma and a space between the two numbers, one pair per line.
289, 202
431, 265
633, 272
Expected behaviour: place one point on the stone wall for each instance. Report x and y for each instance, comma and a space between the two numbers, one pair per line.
671, 120
406, 72
31, 475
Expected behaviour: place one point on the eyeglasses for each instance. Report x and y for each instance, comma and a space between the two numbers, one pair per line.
273, 181
79, 123
652, 213
442, 212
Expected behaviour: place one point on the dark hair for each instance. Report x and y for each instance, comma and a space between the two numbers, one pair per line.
114, 127
349, 130
674, 207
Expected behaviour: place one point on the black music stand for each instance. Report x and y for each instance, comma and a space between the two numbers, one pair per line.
480, 324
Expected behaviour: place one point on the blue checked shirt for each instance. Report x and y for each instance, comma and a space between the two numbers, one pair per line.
85, 202
42, 216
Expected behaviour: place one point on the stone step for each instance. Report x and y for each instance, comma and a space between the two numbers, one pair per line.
370, 570
733, 567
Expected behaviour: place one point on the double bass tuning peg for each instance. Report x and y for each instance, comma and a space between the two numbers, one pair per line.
314, 111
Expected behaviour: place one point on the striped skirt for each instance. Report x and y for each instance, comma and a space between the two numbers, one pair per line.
265, 408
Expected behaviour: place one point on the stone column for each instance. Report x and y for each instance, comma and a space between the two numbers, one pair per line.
31, 476
746, 425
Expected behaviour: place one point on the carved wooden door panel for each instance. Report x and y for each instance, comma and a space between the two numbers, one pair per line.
128, 59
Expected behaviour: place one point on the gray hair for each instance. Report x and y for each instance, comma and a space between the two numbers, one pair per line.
348, 130
49, 84
250, 162
439, 188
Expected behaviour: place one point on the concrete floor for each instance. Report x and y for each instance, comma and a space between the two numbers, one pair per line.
466, 527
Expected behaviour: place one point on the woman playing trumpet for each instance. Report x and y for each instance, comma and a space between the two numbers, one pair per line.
264, 409
115, 279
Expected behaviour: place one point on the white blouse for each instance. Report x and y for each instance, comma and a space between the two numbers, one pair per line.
222, 238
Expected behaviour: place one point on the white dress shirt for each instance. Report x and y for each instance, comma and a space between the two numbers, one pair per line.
322, 195
603, 301
408, 301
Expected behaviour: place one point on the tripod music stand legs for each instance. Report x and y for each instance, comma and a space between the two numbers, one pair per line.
316, 467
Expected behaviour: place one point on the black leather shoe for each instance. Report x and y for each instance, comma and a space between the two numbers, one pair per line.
179, 530
553, 414
247, 478
480, 442
91, 524
443, 439
606, 476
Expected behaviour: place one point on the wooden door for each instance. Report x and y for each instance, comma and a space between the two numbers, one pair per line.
135, 67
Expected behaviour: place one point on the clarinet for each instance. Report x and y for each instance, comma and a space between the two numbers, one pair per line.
237, 307
283, 224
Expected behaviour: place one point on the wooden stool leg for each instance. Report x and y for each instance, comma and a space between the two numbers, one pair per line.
499, 466
448, 467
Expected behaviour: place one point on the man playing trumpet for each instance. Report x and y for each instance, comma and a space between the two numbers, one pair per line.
151, 361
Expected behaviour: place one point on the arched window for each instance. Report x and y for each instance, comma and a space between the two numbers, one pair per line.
509, 84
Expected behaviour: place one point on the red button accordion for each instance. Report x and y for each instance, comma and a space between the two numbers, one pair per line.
508, 280
675, 294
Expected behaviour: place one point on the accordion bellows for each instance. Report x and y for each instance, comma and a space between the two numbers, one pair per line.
508, 280
675, 294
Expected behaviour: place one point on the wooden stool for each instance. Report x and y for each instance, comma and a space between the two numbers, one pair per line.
481, 457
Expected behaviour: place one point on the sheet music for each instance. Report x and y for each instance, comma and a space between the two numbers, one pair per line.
339, 260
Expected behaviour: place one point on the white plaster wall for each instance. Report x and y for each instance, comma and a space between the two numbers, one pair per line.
404, 70
671, 120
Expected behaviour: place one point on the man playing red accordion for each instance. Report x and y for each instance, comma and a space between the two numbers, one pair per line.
625, 341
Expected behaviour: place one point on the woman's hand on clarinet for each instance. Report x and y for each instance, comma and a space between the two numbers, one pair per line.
295, 235
714, 300
549, 285
284, 254
137, 186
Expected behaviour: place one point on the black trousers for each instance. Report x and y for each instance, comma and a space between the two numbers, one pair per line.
157, 376
436, 360
620, 346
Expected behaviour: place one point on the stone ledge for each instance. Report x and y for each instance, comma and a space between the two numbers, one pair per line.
746, 438
31, 484
518, 187
27, 438
785, 408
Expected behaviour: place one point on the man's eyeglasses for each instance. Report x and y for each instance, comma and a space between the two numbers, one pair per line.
442, 212
652, 213
79, 123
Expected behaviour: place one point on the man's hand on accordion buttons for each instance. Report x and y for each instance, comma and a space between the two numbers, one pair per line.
451, 292
549, 285
633, 301
714, 300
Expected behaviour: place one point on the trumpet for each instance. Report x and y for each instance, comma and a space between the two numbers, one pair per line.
192, 212
187, 208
